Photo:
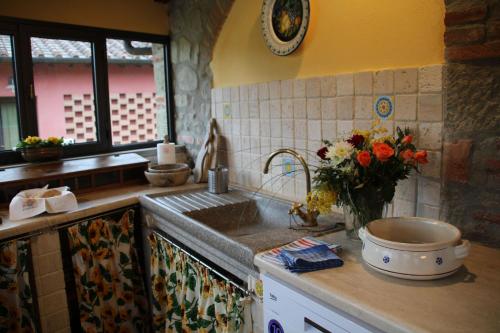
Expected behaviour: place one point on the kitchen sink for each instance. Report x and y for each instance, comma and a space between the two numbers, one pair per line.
239, 223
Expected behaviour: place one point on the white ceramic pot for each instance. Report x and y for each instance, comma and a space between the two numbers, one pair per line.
413, 248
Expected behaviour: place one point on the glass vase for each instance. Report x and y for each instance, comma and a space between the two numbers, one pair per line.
354, 222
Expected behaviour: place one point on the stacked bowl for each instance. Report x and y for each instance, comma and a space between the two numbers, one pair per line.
168, 174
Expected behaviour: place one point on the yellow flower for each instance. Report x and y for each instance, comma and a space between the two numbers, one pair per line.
321, 200
54, 140
32, 140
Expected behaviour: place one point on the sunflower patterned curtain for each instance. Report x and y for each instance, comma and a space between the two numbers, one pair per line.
17, 311
185, 298
108, 280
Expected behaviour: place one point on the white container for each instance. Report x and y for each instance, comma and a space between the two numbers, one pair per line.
165, 152
413, 248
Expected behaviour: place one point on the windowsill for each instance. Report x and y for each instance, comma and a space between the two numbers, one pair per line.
138, 151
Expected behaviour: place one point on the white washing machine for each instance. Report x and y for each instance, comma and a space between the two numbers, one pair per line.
288, 311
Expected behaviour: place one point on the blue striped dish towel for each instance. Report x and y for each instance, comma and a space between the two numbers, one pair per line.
310, 259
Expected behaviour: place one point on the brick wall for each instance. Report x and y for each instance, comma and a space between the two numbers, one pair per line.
471, 182
49, 279
472, 29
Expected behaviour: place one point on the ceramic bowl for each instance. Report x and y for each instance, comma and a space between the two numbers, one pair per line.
175, 167
174, 176
413, 248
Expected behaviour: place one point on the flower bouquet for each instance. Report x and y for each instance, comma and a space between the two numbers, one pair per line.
36, 149
361, 173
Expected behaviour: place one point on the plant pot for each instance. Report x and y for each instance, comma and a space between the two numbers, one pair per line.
42, 154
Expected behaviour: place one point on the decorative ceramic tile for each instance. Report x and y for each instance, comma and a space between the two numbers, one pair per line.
265, 129
429, 191
253, 92
407, 189
245, 127
226, 111
362, 124
226, 94
313, 108
235, 110
276, 128
383, 107
244, 113
404, 208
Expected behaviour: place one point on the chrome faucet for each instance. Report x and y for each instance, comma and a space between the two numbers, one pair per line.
309, 216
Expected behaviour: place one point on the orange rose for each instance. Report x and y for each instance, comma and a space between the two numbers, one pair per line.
364, 158
406, 155
407, 139
421, 157
382, 151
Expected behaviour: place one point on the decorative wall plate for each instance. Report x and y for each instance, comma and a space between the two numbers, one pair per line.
284, 24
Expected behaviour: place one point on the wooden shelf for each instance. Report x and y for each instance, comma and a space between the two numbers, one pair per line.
81, 175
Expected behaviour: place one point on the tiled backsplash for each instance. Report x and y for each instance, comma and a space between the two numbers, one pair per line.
257, 119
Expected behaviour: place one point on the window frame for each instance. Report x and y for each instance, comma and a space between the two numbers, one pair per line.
22, 30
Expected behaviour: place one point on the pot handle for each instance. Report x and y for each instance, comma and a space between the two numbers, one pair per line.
462, 250
362, 234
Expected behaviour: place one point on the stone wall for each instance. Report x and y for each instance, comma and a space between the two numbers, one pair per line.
194, 26
471, 188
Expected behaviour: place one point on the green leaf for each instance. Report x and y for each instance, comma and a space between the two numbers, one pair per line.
211, 310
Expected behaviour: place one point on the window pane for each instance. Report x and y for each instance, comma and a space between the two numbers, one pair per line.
137, 91
9, 124
64, 89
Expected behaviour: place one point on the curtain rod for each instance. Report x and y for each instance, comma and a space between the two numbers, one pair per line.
211, 269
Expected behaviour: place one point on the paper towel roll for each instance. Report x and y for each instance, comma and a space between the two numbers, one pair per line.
165, 153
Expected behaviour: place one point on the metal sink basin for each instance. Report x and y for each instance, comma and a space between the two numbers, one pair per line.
238, 224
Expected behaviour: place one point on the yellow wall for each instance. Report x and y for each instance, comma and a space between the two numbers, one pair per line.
131, 15
343, 36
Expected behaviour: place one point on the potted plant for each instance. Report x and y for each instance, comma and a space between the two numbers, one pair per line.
36, 149
361, 172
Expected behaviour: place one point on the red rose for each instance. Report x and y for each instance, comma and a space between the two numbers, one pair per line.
356, 140
407, 139
322, 153
406, 155
382, 151
364, 158
421, 157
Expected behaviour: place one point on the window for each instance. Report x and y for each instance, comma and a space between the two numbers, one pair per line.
64, 89
136, 77
9, 124
102, 90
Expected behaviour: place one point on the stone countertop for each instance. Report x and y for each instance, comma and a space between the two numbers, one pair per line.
89, 204
468, 301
